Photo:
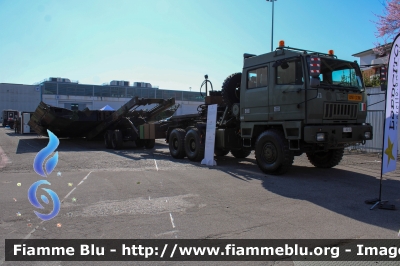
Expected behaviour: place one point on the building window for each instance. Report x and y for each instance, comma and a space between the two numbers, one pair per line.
130, 92
114, 92
121, 92
105, 92
49, 88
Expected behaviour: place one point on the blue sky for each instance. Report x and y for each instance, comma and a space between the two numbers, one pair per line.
169, 43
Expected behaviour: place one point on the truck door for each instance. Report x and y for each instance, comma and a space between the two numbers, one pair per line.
287, 90
255, 107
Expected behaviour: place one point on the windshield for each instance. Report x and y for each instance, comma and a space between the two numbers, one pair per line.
337, 73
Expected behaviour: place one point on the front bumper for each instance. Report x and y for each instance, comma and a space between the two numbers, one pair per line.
337, 134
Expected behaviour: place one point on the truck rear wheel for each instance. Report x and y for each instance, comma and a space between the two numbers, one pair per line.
149, 143
231, 89
220, 152
107, 139
240, 153
193, 147
116, 140
272, 152
327, 159
177, 143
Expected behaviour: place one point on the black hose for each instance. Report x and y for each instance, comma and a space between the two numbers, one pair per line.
202, 84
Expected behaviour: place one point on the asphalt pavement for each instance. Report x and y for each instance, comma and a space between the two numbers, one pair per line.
146, 194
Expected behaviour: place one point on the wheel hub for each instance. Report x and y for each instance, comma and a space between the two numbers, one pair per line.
270, 153
192, 145
175, 144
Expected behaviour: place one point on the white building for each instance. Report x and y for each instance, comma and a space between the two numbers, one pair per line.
64, 93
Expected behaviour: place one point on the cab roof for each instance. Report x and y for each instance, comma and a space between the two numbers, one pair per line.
280, 53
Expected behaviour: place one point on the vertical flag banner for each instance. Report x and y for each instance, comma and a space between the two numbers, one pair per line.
389, 153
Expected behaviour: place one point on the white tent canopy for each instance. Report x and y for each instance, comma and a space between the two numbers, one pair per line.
107, 108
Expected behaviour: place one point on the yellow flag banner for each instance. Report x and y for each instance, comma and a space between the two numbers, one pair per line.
389, 153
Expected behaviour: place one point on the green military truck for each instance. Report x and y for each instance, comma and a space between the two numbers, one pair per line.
283, 104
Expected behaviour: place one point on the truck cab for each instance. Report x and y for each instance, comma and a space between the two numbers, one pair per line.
312, 102
283, 104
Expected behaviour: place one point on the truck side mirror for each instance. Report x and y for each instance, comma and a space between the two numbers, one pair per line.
314, 81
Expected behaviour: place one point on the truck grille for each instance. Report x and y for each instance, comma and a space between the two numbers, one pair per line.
340, 111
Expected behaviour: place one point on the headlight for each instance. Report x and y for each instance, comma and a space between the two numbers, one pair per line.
321, 136
367, 135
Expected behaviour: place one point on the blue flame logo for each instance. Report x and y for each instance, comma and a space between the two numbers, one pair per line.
45, 171
44, 153
32, 198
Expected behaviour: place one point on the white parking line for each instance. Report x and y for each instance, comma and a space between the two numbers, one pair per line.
172, 220
156, 164
76, 186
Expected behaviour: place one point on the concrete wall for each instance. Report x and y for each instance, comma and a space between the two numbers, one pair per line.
19, 97
376, 116
377, 101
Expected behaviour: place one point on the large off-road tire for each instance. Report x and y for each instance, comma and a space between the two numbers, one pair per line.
107, 139
116, 140
194, 148
149, 143
272, 152
176, 143
220, 152
139, 143
327, 159
231, 89
240, 153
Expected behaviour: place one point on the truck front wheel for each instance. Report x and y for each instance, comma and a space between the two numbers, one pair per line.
326, 159
272, 152
176, 143
193, 147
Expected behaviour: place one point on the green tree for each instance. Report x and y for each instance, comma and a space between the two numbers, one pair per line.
371, 82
